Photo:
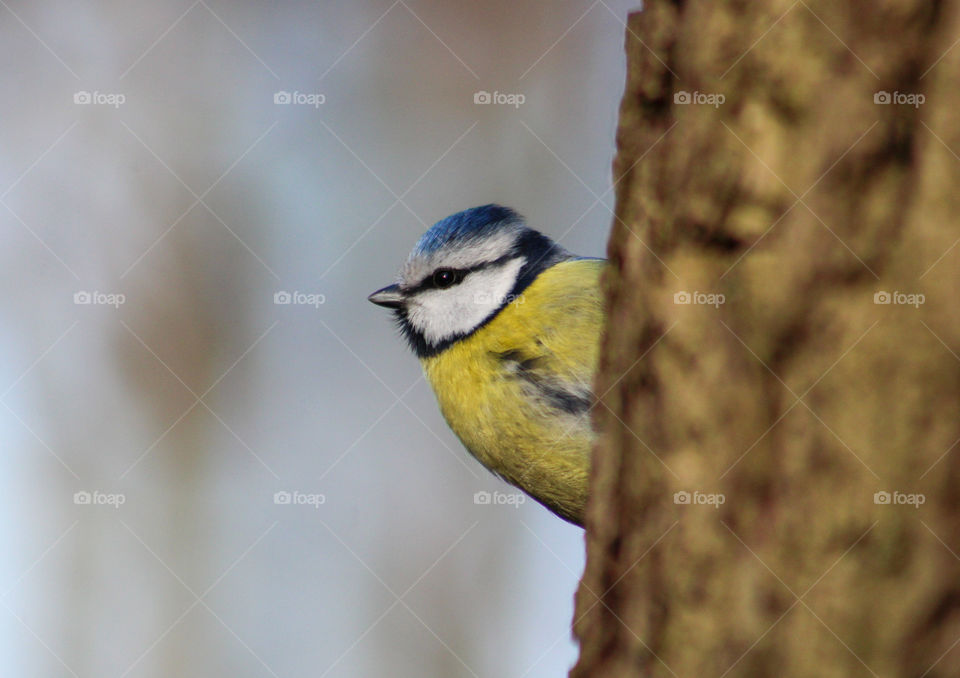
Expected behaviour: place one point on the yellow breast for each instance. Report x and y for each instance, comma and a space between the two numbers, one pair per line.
517, 392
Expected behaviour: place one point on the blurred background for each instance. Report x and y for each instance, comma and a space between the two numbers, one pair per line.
218, 458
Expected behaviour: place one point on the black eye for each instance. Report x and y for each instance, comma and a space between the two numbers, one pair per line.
446, 277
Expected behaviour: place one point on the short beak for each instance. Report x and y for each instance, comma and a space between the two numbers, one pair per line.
389, 297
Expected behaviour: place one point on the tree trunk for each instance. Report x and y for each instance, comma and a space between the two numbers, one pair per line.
775, 488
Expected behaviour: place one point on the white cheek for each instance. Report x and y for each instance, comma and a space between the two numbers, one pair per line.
441, 314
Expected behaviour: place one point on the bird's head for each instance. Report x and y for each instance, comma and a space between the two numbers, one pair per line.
462, 272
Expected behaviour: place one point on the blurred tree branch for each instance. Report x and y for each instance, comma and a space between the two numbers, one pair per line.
801, 160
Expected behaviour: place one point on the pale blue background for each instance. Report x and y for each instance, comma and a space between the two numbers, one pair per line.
198, 199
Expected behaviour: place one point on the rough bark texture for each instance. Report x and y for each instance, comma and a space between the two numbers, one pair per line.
799, 397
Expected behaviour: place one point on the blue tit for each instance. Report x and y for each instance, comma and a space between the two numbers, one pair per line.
507, 326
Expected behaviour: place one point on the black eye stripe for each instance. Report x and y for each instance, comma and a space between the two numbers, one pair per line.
430, 282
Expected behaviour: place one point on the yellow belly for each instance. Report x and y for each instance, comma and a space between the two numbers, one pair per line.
499, 415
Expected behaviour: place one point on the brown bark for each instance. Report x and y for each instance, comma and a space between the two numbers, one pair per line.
799, 199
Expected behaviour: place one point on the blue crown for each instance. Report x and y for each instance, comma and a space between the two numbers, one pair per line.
470, 224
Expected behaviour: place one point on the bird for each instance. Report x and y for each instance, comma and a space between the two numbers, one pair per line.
507, 324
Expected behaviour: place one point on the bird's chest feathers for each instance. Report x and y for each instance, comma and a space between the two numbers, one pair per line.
482, 399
